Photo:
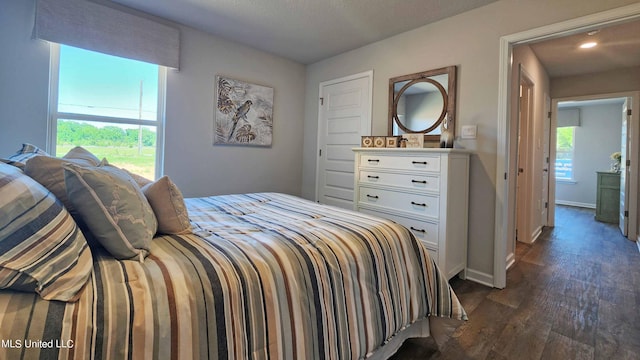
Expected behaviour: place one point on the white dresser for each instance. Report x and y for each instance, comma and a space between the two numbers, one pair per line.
426, 190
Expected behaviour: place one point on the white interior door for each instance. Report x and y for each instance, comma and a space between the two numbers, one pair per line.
344, 116
625, 143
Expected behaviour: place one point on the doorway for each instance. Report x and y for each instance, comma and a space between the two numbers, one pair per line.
504, 221
589, 131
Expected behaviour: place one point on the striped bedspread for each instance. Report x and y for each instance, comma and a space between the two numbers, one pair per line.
265, 276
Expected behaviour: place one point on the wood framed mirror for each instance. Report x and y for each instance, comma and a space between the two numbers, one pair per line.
423, 102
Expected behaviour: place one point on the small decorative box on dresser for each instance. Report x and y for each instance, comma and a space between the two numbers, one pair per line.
426, 190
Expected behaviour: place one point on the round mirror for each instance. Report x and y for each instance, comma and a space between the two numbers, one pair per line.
424, 103
419, 105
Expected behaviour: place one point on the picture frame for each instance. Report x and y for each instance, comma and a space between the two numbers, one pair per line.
379, 141
366, 141
414, 140
393, 141
243, 113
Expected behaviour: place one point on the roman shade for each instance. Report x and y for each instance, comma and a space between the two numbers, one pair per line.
96, 27
568, 117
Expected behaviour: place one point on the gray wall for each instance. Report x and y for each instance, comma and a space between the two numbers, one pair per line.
621, 80
597, 137
24, 79
198, 167
471, 41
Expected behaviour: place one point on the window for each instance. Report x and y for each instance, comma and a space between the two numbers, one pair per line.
112, 106
565, 153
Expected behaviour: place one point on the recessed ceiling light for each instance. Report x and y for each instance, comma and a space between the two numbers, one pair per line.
588, 45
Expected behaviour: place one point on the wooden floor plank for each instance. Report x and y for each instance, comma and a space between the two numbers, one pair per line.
573, 294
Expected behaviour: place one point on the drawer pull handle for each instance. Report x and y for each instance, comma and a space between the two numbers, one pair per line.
374, 160
418, 204
419, 162
373, 177
419, 181
373, 196
419, 230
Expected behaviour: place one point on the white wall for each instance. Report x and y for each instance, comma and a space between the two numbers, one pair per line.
198, 167
524, 58
471, 41
597, 137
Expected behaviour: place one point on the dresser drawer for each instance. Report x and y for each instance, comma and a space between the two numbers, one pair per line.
426, 232
422, 162
411, 203
415, 182
433, 254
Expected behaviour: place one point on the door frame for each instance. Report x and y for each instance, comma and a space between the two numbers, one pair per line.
524, 153
634, 155
504, 197
365, 74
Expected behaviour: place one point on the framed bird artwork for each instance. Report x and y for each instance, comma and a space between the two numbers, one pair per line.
243, 114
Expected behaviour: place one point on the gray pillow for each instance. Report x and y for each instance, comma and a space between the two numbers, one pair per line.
167, 203
113, 209
48, 172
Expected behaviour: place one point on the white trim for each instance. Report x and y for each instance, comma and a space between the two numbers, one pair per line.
480, 277
536, 234
563, 28
365, 74
511, 259
575, 204
161, 118
99, 118
54, 75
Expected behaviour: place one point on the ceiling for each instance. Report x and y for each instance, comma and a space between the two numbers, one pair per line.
618, 47
305, 31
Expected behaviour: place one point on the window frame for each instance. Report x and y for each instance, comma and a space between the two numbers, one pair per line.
54, 115
572, 179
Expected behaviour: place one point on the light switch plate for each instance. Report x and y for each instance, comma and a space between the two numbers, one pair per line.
469, 131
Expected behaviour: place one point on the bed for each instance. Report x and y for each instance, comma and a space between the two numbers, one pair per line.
263, 275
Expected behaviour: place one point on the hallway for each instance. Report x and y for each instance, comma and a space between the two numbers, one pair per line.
573, 294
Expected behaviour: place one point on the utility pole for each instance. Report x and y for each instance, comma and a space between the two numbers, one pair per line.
140, 118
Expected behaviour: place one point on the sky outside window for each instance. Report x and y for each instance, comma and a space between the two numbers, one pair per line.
98, 84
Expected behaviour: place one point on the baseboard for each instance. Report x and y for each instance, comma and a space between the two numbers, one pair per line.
536, 234
511, 259
480, 277
576, 204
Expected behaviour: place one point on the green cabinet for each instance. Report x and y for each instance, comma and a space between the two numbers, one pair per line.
608, 197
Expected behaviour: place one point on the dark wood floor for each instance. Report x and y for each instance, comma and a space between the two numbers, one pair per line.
573, 294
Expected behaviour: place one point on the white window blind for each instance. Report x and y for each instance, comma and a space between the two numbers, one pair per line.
568, 117
96, 27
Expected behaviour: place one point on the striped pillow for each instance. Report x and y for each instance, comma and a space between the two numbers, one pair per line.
41, 248
19, 159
